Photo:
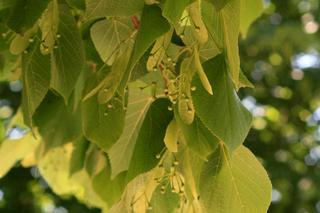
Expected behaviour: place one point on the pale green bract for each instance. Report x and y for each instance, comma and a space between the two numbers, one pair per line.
134, 103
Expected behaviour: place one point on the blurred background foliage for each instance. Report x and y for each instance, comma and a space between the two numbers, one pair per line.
281, 56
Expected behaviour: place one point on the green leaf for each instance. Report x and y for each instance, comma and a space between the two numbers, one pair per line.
78, 154
224, 28
191, 169
173, 9
107, 87
112, 81
191, 27
152, 26
138, 193
102, 123
112, 37
4, 4
12, 151
57, 123
209, 50
219, 4
234, 183
198, 137
243, 81
121, 152
158, 52
250, 10
167, 202
79, 4
222, 112
25, 13
86, 193
98, 168
36, 80
109, 190
95, 160
68, 58
103, 8
54, 167
150, 139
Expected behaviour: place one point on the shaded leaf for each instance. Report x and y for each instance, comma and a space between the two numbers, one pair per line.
36, 80
4, 4
224, 28
68, 58
150, 139
102, 125
222, 112
141, 95
243, 81
173, 10
25, 13
78, 154
197, 137
57, 123
152, 26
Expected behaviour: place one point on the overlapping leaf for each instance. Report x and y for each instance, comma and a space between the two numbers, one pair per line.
57, 123
25, 13
101, 119
112, 37
222, 113
103, 8
36, 80
224, 27
68, 57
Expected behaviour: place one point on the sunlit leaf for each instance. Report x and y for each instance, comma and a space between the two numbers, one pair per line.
112, 37
54, 166
250, 10
238, 176
13, 150
171, 137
